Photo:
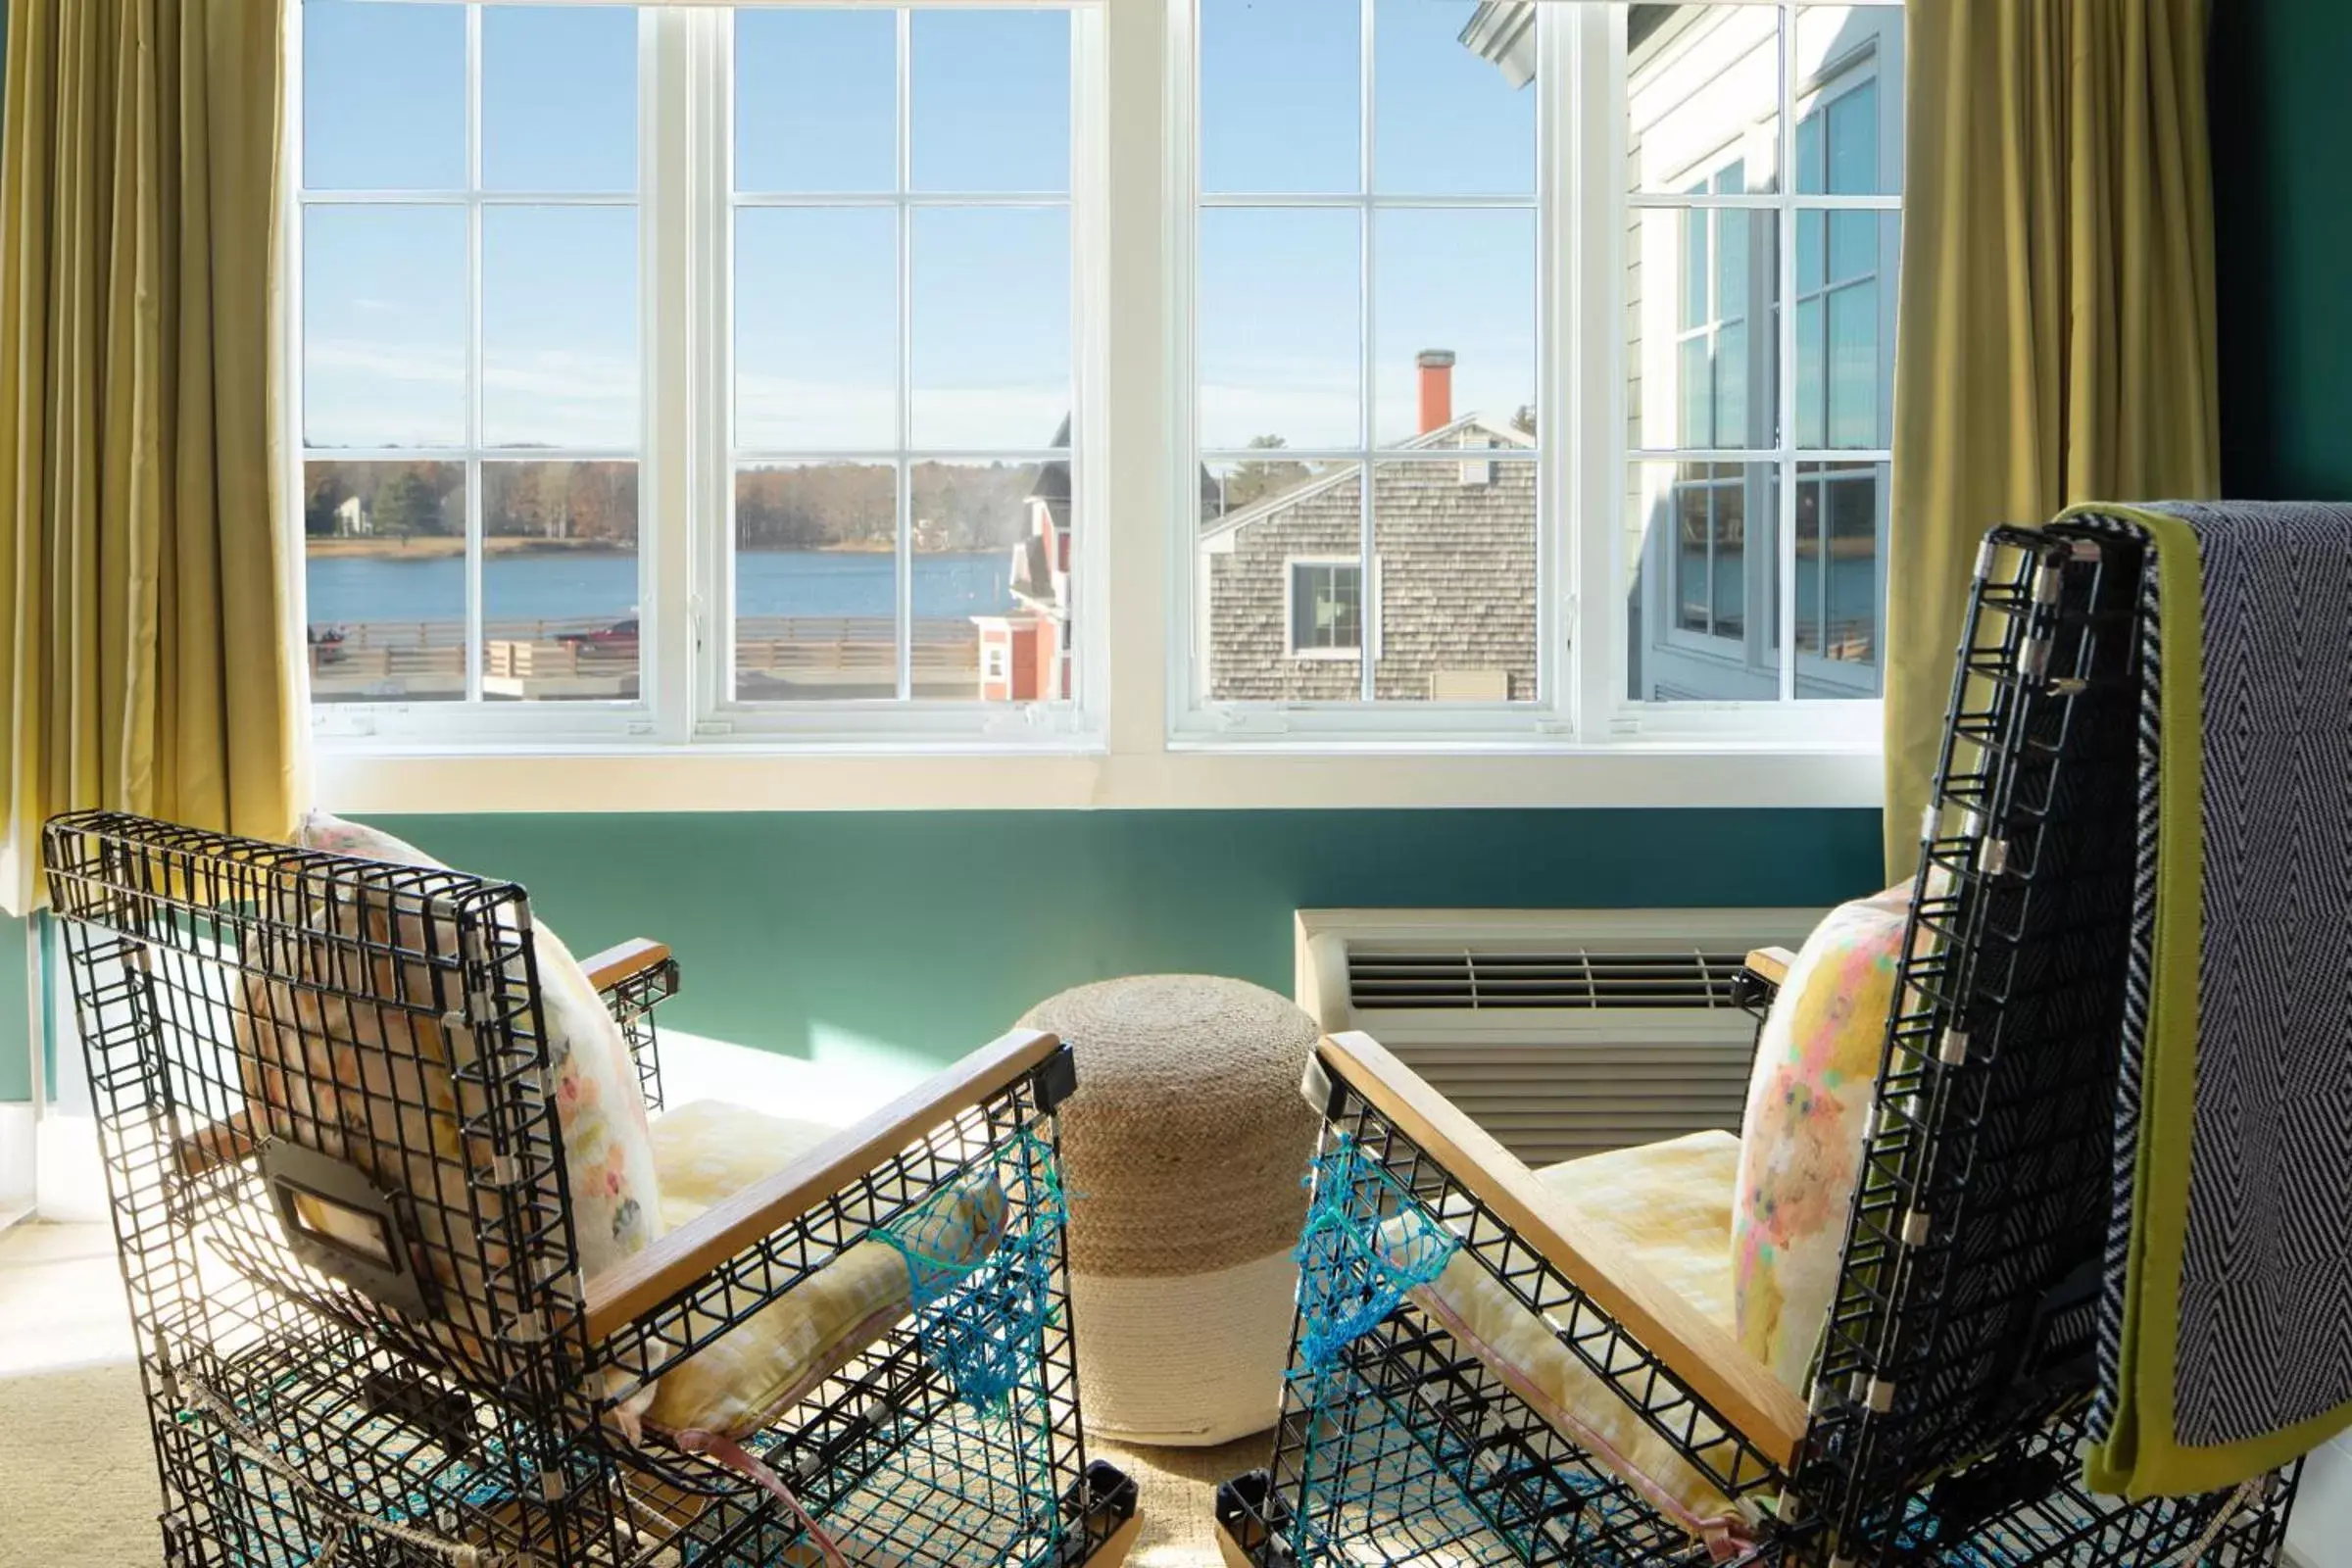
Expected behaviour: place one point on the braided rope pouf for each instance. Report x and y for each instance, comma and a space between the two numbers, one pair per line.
1184, 1149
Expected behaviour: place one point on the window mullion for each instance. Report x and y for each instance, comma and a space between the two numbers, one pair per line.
1367, 360
682, 504
1784, 411
473, 354
1588, 67
904, 573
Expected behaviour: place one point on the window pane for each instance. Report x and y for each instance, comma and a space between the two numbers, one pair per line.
1454, 562
991, 580
991, 108
1463, 283
1847, 58
384, 580
1281, 106
1277, 514
1703, 90
1855, 367
560, 326
1838, 613
1700, 367
384, 341
816, 100
1446, 122
1699, 622
560, 588
816, 581
559, 98
1812, 389
1281, 339
383, 100
816, 328
1854, 244
992, 325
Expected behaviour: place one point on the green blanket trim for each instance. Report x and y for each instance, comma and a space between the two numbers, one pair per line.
2141, 1456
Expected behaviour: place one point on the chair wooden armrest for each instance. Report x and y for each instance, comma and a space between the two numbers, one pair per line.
695, 1250
1770, 965
624, 960
1706, 1358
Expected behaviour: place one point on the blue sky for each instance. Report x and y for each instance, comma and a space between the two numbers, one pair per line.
816, 328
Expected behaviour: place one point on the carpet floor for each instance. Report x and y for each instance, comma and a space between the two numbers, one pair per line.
78, 1483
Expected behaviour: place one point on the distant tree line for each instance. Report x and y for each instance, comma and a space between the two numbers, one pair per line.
956, 506
592, 502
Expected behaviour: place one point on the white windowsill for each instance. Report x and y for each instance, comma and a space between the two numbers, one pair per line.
1288, 773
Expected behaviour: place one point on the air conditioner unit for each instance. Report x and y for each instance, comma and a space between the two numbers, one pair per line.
1561, 1032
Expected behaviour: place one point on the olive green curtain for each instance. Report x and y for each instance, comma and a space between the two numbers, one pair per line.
2056, 333
148, 663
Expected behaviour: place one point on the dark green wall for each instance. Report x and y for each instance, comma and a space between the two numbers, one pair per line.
922, 934
2283, 202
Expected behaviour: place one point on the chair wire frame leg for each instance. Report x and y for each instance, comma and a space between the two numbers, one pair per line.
1952, 1398
300, 1420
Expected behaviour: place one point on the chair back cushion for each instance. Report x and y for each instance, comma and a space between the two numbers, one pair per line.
1800, 1146
607, 1142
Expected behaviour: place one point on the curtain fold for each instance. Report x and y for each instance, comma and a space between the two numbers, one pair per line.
149, 660
2056, 338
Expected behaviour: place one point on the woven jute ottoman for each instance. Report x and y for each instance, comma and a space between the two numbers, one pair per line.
1183, 1151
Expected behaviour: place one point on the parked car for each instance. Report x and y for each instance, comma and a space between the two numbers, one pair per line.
618, 638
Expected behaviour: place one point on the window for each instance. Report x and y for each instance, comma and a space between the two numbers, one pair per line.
902, 373
471, 353
1411, 236
1366, 310
772, 462
1760, 359
700, 377
1326, 609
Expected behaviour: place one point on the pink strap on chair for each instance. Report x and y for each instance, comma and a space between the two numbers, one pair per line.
732, 1455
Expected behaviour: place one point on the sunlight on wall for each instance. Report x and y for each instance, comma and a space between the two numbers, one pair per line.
845, 1075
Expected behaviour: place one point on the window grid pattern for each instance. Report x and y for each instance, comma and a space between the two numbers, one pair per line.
1807, 471
480, 204
1367, 201
907, 200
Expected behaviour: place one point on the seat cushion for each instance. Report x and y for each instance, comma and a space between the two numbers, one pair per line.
709, 1150
1667, 1207
1809, 1094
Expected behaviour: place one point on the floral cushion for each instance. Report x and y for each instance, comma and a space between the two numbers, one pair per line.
1816, 1071
1667, 1206
608, 1142
709, 1150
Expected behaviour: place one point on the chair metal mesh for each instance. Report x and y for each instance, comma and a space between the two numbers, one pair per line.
337, 1180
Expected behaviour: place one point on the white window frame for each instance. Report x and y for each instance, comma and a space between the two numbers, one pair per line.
1851, 720
1365, 610
685, 474
1583, 209
1136, 745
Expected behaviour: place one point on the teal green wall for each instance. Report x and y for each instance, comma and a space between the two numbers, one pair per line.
16, 1060
2282, 200
842, 935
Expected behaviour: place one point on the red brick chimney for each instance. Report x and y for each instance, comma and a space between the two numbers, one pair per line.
1437, 389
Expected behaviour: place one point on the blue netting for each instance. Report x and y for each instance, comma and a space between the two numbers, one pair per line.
981, 1256
1366, 1244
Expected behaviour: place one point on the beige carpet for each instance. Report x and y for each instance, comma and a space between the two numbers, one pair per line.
78, 1480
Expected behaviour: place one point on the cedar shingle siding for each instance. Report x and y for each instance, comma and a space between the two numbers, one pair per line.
1455, 585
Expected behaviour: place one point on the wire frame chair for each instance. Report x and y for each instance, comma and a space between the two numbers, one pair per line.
336, 1178
1956, 1374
